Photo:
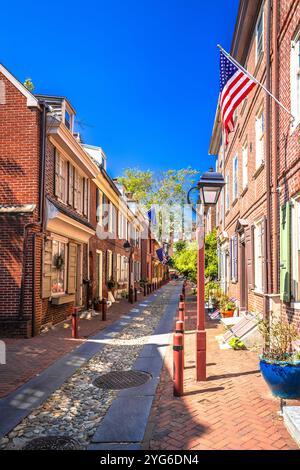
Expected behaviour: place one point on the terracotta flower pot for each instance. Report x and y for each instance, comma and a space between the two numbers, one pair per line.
227, 313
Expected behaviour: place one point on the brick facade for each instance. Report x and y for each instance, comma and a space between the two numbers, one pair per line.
49, 258
246, 214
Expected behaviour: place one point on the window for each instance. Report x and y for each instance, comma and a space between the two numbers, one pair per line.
234, 178
295, 80
259, 35
118, 275
99, 268
60, 177
68, 118
109, 272
258, 257
227, 197
259, 139
295, 247
245, 165
58, 275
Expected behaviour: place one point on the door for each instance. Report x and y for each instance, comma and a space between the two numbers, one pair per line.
99, 274
243, 273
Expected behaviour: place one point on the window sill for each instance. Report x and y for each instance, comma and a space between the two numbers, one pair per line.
259, 170
258, 292
244, 191
294, 127
295, 305
62, 299
234, 202
258, 62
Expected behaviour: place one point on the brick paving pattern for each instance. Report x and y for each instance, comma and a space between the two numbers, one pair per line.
232, 410
27, 357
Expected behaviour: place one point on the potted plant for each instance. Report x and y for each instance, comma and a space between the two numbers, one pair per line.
279, 362
97, 304
111, 284
228, 309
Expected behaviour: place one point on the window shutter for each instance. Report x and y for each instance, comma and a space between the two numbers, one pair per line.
264, 254
285, 260
47, 268
97, 204
235, 258
72, 265
70, 184
230, 259
76, 183
85, 196
56, 174
249, 237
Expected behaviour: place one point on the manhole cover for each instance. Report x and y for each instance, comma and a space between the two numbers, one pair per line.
117, 380
52, 442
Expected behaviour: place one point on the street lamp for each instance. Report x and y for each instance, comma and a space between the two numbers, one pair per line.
208, 190
129, 249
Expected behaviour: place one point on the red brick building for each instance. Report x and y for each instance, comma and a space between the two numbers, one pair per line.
64, 220
260, 165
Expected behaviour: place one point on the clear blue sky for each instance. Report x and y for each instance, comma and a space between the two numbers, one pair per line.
143, 75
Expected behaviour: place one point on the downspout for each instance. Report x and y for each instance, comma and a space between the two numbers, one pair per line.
268, 270
275, 127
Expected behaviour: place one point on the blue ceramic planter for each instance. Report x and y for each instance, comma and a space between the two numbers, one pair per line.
282, 377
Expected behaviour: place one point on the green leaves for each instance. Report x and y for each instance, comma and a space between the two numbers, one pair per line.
211, 258
185, 259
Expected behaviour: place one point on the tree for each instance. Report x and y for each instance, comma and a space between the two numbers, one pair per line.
168, 187
185, 259
139, 183
211, 257
28, 84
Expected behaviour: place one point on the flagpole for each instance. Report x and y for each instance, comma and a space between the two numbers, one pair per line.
233, 61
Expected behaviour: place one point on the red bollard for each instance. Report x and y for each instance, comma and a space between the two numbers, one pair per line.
181, 312
178, 364
75, 322
104, 309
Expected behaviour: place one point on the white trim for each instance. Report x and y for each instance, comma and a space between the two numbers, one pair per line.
32, 102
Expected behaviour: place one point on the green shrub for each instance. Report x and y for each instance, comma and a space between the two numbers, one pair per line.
236, 344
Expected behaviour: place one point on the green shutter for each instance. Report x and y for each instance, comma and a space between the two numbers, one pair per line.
285, 258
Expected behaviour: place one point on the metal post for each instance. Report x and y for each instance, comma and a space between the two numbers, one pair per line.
135, 294
104, 309
75, 322
145, 290
178, 364
200, 333
131, 294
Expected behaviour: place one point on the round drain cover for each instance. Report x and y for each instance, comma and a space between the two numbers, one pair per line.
52, 443
116, 380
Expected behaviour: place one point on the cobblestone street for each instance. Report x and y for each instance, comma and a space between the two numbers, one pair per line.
232, 410
77, 407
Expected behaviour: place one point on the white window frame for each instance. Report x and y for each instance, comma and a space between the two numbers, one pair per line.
259, 138
109, 264
295, 249
227, 191
257, 52
295, 80
245, 165
258, 256
62, 189
235, 166
99, 209
60, 241
100, 269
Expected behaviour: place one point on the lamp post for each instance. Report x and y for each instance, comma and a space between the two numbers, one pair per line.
208, 190
129, 249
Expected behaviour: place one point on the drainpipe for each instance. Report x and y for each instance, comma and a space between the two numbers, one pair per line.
275, 126
268, 269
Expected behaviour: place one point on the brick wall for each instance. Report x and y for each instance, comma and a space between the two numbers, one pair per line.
19, 172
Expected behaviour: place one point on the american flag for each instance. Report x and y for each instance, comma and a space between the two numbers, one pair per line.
234, 87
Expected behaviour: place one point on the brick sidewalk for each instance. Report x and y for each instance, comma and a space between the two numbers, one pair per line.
28, 357
233, 409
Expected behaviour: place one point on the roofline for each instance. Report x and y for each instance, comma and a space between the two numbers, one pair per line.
40, 97
32, 101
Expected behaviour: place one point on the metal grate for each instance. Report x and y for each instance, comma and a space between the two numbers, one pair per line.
117, 380
52, 443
